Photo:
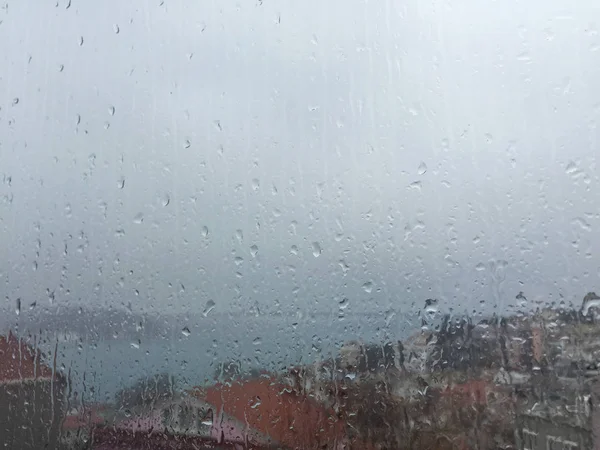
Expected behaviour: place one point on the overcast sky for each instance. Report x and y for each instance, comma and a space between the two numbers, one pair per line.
288, 154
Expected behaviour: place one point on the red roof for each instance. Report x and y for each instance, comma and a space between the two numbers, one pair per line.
19, 362
274, 409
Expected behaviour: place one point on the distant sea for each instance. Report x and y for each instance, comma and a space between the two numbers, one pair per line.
99, 368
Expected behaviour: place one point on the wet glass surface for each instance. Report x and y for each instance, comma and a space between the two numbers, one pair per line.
342, 224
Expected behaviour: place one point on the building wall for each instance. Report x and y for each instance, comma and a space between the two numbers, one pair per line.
31, 414
595, 397
537, 337
536, 433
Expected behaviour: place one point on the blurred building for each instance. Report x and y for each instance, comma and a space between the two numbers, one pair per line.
563, 422
362, 358
268, 408
351, 355
31, 398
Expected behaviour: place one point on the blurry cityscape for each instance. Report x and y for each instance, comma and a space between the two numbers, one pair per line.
524, 381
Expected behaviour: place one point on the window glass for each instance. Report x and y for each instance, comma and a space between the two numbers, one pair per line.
319, 224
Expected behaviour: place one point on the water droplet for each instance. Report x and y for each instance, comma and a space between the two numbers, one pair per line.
80, 41
50, 295
368, 287
256, 403
431, 308
422, 168
187, 144
571, 168
18, 306
522, 299
139, 218
61, 67
186, 331
116, 28
416, 185
344, 265
294, 250
15, 101
257, 341
165, 200
344, 303
292, 228
210, 305
111, 110
136, 345
255, 184
524, 56
316, 249
119, 232
121, 183
32, 305
445, 144
34, 266
479, 267
582, 223
239, 235
254, 251
238, 261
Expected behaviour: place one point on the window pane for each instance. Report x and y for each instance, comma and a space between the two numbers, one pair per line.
331, 224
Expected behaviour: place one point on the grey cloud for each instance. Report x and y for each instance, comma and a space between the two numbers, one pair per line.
336, 104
